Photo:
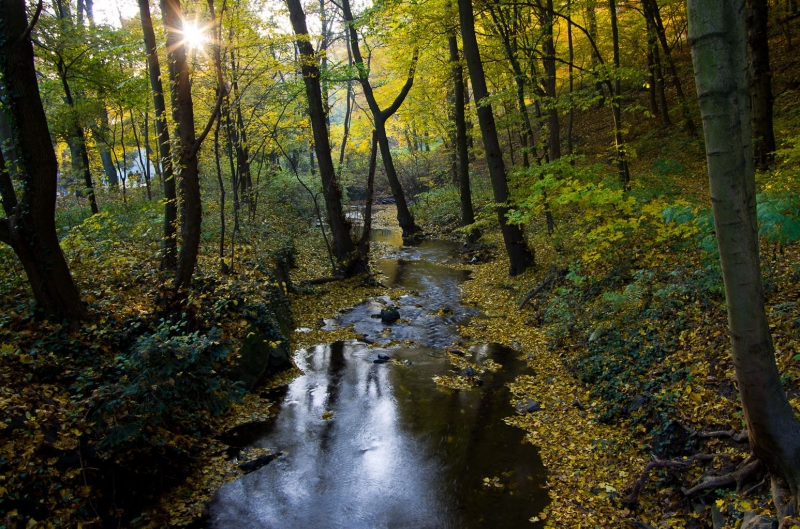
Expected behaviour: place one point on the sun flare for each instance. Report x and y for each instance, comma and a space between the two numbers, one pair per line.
193, 36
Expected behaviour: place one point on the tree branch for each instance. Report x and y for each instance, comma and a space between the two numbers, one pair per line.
387, 113
222, 90
27, 33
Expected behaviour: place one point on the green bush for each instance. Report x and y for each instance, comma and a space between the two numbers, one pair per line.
166, 384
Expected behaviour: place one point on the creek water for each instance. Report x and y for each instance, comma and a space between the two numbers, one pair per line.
399, 451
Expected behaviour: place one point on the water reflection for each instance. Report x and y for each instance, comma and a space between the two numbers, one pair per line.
399, 452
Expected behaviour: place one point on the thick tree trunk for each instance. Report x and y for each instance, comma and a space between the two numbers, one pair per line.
404, 217
183, 113
169, 252
519, 256
718, 40
467, 214
760, 82
29, 227
349, 261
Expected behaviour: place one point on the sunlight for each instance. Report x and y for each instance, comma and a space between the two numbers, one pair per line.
193, 36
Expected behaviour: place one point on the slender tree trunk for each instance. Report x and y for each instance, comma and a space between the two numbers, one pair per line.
78, 143
29, 226
549, 63
571, 50
404, 217
105, 155
760, 82
718, 40
123, 168
658, 94
363, 243
520, 258
169, 252
349, 105
145, 167
349, 261
651, 83
183, 114
222, 264
676, 80
459, 113
591, 24
616, 104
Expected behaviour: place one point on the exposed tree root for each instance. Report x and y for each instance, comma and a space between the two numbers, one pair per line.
733, 435
638, 486
746, 470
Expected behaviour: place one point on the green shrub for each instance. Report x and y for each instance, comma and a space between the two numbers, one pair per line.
166, 384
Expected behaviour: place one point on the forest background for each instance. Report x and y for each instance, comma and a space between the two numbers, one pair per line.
192, 214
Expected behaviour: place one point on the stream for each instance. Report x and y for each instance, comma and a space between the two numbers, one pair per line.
399, 451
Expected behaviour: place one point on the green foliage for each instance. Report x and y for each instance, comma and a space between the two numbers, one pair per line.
441, 206
778, 220
166, 381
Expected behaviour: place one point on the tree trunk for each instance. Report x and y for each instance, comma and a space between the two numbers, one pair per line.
169, 251
349, 261
349, 105
676, 80
459, 113
183, 114
29, 227
404, 217
519, 256
105, 155
570, 73
549, 63
718, 40
654, 62
591, 24
760, 82
616, 104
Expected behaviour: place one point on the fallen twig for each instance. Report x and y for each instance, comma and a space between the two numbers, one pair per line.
552, 275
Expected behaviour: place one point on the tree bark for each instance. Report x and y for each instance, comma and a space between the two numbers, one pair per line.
29, 226
349, 261
467, 213
169, 251
549, 63
654, 62
676, 80
520, 258
404, 217
183, 114
616, 104
760, 82
718, 40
